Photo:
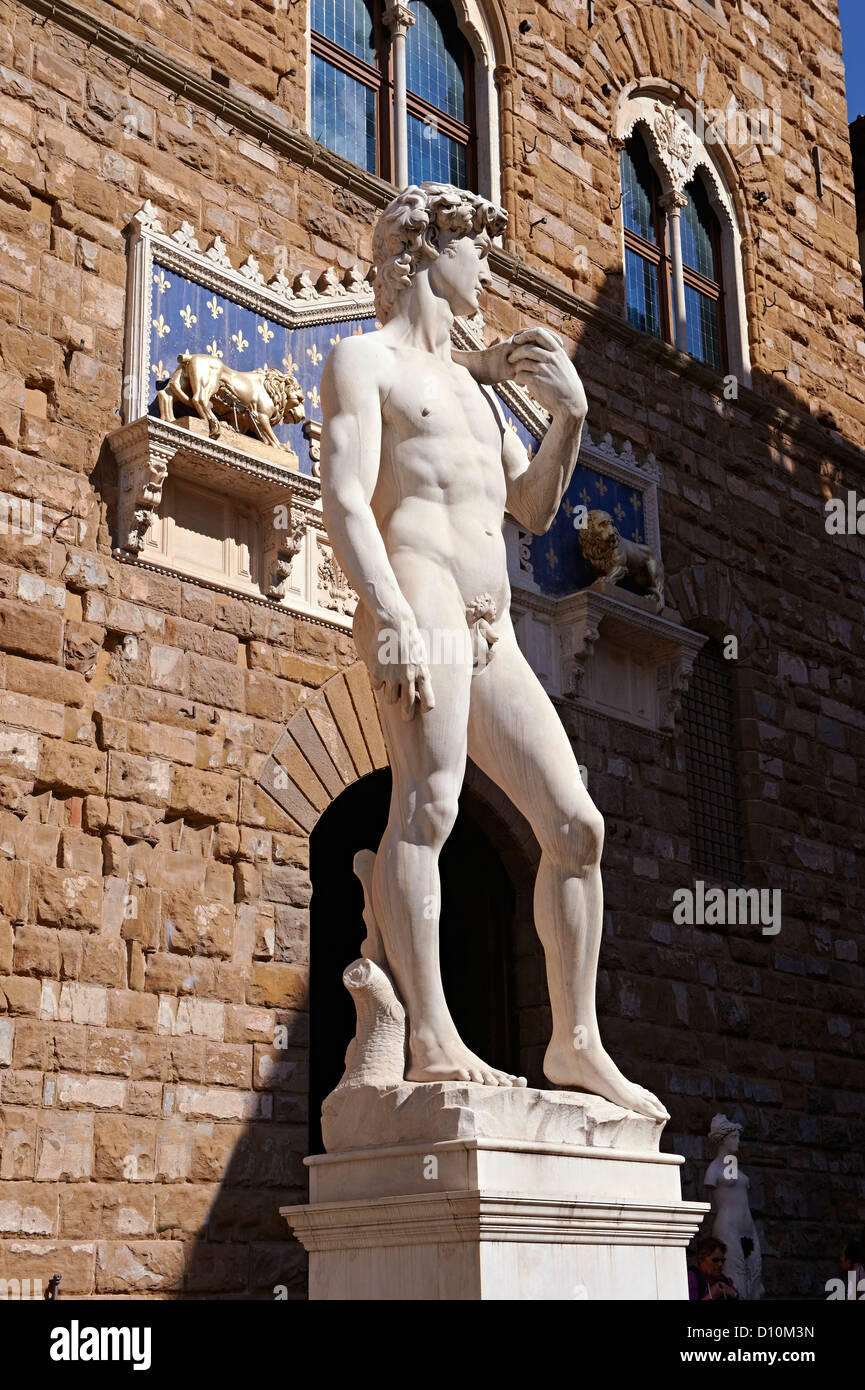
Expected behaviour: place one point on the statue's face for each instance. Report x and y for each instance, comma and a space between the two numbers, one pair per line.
461, 272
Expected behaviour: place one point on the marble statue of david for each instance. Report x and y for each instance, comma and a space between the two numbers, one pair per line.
417, 470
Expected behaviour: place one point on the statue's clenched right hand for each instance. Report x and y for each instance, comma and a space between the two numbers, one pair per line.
399, 668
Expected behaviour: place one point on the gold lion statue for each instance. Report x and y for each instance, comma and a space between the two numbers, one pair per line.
262, 398
613, 557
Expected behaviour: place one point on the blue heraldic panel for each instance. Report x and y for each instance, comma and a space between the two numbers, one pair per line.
188, 317
557, 559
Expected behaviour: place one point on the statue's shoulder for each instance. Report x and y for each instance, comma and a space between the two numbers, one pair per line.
363, 355
359, 347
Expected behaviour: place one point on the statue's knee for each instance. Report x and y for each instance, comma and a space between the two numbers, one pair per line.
433, 820
577, 842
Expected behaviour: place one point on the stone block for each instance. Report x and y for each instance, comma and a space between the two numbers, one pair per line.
31, 632
68, 899
139, 1267
64, 1147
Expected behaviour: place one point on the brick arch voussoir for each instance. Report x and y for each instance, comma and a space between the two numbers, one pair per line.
331, 742
709, 600
640, 43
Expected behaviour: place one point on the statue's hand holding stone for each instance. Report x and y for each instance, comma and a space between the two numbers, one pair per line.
399, 668
537, 360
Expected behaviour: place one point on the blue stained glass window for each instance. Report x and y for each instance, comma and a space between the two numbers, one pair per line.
434, 156
637, 189
701, 314
641, 291
343, 113
432, 72
348, 23
696, 224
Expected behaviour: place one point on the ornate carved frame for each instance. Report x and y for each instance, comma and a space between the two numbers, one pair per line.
146, 448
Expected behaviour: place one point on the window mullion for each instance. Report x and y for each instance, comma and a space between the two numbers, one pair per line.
672, 204
398, 18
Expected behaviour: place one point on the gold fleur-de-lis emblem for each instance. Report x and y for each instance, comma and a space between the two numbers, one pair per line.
159, 369
584, 497
314, 355
619, 512
356, 332
314, 397
512, 425
602, 486
636, 501
552, 556
161, 282
214, 349
162, 328
215, 307
239, 341
266, 333
638, 535
337, 339
290, 365
188, 317
567, 507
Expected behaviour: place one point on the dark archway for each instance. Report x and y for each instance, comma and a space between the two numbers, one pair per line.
475, 939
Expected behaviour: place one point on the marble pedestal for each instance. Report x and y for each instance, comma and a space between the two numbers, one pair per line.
454, 1191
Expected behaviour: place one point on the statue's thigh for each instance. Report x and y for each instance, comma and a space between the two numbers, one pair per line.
518, 740
427, 753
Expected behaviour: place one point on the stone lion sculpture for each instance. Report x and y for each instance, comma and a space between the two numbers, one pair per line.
264, 397
613, 557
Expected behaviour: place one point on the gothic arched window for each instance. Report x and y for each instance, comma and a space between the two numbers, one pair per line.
651, 290
357, 107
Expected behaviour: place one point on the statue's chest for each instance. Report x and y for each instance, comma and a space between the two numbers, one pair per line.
435, 403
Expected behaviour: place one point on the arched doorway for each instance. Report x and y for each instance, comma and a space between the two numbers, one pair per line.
478, 902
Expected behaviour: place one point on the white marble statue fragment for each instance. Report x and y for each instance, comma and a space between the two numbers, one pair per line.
731, 1219
417, 469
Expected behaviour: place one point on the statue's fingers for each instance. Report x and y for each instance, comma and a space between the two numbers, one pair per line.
425, 690
391, 691
409, 695
537, 358
544, 336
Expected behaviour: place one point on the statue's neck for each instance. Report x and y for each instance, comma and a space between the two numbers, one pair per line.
422, 319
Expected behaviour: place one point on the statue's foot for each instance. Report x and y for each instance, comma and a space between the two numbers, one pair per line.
593, 1070
453, 1061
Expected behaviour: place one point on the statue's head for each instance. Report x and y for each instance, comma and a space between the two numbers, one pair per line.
725, 1134
439, 227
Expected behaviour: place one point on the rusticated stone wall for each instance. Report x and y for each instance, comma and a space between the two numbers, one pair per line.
154, 903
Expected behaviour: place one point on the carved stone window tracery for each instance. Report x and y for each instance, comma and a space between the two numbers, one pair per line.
690, 196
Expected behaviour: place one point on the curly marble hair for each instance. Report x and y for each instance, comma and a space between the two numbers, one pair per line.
408, 229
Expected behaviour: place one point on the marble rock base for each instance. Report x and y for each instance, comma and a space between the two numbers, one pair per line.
458, 1191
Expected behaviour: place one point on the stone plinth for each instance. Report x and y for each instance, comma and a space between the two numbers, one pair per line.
457, 1191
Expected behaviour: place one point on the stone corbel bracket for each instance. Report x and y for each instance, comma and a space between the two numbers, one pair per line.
661, 640
296, 302
149, 449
